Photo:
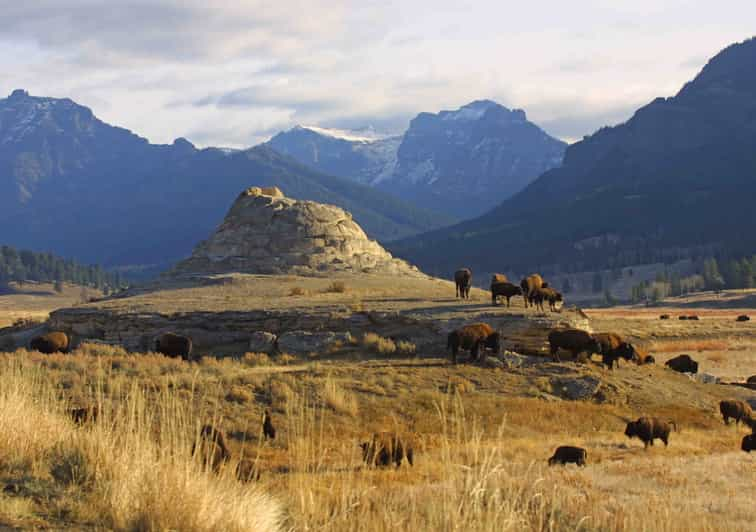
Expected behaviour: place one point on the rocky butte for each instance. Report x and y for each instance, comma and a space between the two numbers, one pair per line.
268, 233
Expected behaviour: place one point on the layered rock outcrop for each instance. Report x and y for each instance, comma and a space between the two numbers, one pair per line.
268, 233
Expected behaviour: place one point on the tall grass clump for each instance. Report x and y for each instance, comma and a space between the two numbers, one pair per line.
132, 469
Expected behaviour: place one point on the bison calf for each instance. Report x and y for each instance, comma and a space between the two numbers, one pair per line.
385, 448
682, 364
649, 428
567, 454
211, 444
749, 443
737, 410
52, 342
473, 337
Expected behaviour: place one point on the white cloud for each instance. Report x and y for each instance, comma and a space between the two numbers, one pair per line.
233, 73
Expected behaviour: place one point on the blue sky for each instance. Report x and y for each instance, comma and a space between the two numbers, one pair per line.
235, 73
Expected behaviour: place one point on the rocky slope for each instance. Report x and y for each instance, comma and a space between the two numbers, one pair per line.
102, 194
267, 233
676, 180
461, 162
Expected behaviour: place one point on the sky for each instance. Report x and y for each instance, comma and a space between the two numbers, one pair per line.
233, 73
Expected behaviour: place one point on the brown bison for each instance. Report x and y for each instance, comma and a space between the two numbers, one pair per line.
613, 347
664, 317
751, 379
567, 454
529, 284
269, 431
52, 342
473, 337
737, 410
463, 282
682, 318
499, 278
540, 295
693, 318
682, 364
504, 289
174, 345
212, 445
749, 443
84, 415
574, 341
743, 317
385, 448
649, 428
645, 358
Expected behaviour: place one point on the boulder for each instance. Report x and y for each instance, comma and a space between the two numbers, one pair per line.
304, 342
576, 388
493, 362
262, 342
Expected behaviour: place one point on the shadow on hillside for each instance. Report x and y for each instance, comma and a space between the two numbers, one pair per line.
748, 301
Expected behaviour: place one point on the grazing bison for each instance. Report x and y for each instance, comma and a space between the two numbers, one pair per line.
693, 318
749, 443
743, 317
567, 454
84, 415
499, 278
573, 340
649, 428
751, 379
504, 289
664, 317
529, 284
473, 337
737, 410
52, 342
645, 358
269, 431
212, 445
682, 364
613, 347
463, 282
682, 318
174, 345
385, 448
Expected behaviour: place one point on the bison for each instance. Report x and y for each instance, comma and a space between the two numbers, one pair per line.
737, 410
504, 289
573, 340
539, 295
84, 415
499, 278
649, 428
269, 431
613, 347
693, 318
385, 448
743, 317
52, 342
682, 364
749, 443
751, 379
473, 337
567, 454
212, 445
664, 317
529, 284
645, 358
174, 345
463, 282
682, 318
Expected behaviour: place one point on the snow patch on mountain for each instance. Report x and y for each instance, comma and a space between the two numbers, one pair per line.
365, 135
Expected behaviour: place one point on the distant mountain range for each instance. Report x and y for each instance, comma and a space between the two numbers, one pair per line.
676, 180
74, 185
462, 162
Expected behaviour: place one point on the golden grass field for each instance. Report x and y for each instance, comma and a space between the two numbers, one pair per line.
35, 301
482, 435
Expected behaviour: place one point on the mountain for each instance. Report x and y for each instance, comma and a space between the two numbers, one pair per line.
676, 180
363, 155
77, 186
461, 162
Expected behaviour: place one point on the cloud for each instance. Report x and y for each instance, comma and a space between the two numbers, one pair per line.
230, 72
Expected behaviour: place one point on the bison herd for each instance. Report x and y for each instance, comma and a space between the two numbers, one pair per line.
533, 289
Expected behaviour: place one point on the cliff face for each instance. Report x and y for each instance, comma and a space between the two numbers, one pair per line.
268, 233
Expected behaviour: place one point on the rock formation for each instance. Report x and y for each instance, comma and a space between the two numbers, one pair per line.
268, 233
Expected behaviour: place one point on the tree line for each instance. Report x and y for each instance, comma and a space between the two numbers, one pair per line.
23, 265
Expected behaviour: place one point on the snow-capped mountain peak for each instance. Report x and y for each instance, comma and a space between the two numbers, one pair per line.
366, 134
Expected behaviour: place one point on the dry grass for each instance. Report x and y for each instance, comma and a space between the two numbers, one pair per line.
336, 287
297, 291
339, 399
379, 345
677, 346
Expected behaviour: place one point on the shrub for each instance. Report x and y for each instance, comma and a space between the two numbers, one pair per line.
297, 291
256, 359
339, 399
378, 344
239, 394
336, 287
